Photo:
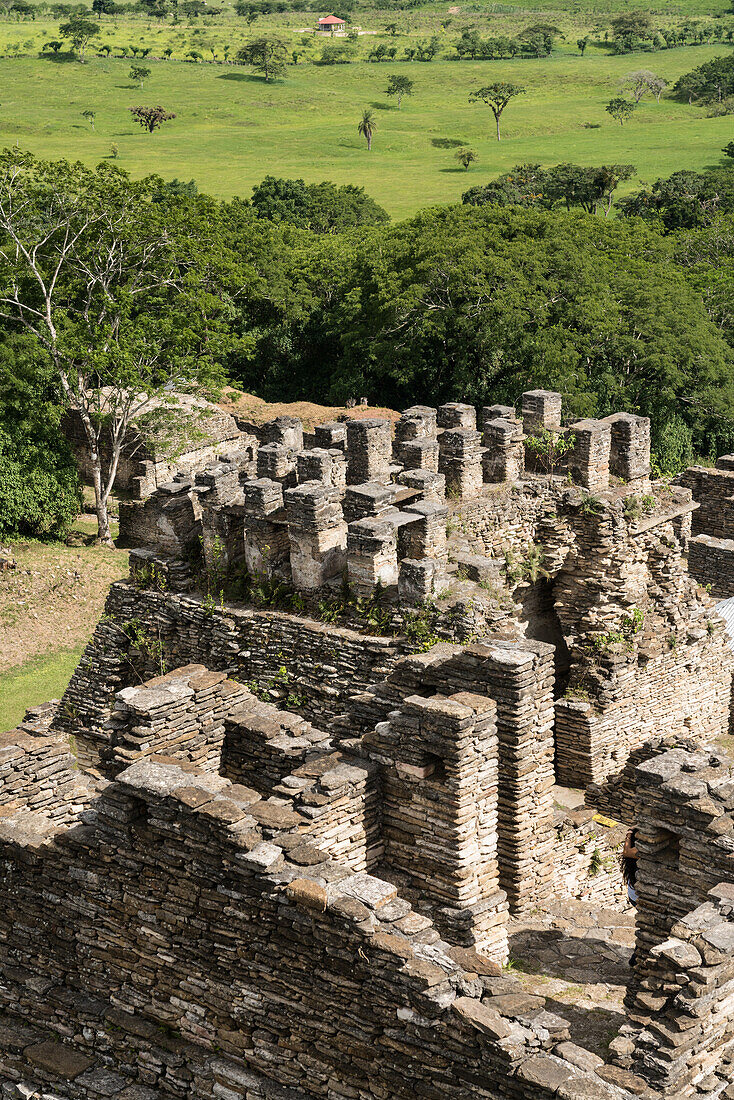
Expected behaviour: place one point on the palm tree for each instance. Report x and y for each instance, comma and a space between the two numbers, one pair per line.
366, 128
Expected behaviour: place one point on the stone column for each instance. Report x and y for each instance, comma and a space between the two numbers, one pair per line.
589, 460
317, 533
630, 446
488, 413
460, 461
321, 465
541, 409
267, 546
439, 809
426, 538
420, 454
369, 451
278, 463
286, 430
371, 555
504, 458
457, 415
431, 486
331, 436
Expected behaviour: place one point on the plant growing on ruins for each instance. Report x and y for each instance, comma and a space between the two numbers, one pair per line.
633, 623
101, 278
590, 505
533, 568
549, 447
143, 642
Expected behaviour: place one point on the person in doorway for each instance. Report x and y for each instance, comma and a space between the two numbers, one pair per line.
629, 872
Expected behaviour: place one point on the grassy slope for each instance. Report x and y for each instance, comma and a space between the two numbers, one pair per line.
232, 128
35, 681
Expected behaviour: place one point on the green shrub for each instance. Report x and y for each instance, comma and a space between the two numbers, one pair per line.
39, 483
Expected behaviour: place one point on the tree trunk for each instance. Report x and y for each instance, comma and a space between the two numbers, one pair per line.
100, 500
497, 117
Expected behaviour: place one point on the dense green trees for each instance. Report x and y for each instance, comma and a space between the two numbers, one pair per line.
307, 292
321, 207
709, 83
568, 185
684, 200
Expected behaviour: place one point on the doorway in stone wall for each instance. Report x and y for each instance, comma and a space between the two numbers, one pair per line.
542, 624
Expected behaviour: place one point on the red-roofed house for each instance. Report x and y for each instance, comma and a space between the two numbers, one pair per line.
332, 23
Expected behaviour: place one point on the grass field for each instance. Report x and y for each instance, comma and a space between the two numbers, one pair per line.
35, 681
232, 129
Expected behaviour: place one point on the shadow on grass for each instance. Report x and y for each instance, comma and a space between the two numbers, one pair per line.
58, 58
380, 105
447, 143
248, 78
452, 170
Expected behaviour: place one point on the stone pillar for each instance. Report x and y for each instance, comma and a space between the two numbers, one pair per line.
431, 486
277, 462
488, 413
367, 501
372, 555
589, 460
267, 546
439, 810
416, 424
460, 461
419, 580
317, 533
630, 446
426, 538
457, 415
504, 458
331, 436
286, 430
369, 451
321, 465
420, 454
541, 409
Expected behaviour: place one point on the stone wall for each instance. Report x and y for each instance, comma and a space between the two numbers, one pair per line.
189, 927
586, 859
711, 552
681, 1033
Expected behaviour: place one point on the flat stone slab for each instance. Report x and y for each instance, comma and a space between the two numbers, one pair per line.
371, 891
58, 1058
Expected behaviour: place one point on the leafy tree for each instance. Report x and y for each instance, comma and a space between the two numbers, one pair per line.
728, 150
366, 127
497, 96
102, 283
105, 50
641, 81
54, 45
392, 29
104, 7
139, 73
168, 52
465, 157
39, 484
568, 185
90, 116
582, 43
336, 53
320, 207
684, 200
399, 86
266, 55
150, 118
80, 30
621, 109
22, 8
710, 82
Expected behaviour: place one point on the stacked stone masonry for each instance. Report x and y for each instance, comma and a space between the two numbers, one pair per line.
268, 844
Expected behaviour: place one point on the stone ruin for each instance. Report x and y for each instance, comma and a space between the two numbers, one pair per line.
276, 838
711, 549
151, 455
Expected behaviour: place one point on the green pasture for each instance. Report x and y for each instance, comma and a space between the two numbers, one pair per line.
231, 128
35, 682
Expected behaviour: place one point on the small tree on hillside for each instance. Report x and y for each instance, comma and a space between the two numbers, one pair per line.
620, 108
139, 74
582, 43
641, 81
54, 45
150, 118
90, 116
366, 128
466, 157
80, 30
399, 86
268, 56
497, 96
